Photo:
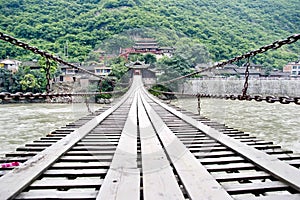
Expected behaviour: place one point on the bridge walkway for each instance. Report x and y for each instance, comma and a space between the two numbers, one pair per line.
141, 148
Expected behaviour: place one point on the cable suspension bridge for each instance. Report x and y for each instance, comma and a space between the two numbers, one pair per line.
142, 148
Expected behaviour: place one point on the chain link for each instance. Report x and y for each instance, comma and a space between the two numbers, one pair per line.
246, 84
48, 75
270, 99
258, 98
275, 45
6, 96
44, 54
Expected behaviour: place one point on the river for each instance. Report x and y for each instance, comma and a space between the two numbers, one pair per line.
23, 123
272, 122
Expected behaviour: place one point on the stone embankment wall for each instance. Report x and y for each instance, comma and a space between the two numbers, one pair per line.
234, 86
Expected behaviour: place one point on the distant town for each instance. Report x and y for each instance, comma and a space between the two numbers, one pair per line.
149, 46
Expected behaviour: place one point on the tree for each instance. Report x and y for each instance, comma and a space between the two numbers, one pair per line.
48, 66
29, 83
150, 58
5, 80
212, 24
118, 67
193, 52
136, 56
172, 68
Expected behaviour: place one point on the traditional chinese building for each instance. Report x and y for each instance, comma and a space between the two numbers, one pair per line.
140, 68
147, 45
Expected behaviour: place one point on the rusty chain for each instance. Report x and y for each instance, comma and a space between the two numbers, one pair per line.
35, 50
275, 45
258, 98
48, 75
246, 84
6, 96
270, 99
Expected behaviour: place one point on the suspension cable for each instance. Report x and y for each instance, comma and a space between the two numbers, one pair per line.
257, 98
246, 84
45, 54
275, 45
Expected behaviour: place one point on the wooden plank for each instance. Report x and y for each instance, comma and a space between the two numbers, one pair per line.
271, 164
207, 149
14, 159
123, 177
87, 158
197, 181
100, 140
274, 197
203, 145
254, 187
94, 143
159, 181
94, 148
66, 183
108, 137
197, 141
54, 194
191, 136
293, 162
74, 165
90, 152
16, 180
221, 160
229, 167
77, 172
214, 154
241, 176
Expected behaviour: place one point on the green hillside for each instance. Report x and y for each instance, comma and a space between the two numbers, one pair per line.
225, 28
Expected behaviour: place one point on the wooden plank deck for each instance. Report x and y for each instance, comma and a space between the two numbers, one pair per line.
142, 148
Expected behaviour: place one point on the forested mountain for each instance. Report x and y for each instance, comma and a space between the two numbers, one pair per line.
225, 28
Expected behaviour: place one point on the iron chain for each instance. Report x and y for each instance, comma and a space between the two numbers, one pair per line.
44, 54
48, 75
6, 96
246, 84
258, 98
275, 45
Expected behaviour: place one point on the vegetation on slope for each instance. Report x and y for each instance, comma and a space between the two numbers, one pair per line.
224, 28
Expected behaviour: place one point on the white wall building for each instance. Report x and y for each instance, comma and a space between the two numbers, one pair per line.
102, 70
11, 65
293, 68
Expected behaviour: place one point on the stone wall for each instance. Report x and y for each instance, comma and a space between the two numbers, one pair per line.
235, 86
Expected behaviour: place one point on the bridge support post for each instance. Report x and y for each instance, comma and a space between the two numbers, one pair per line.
199, 103
48, 75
